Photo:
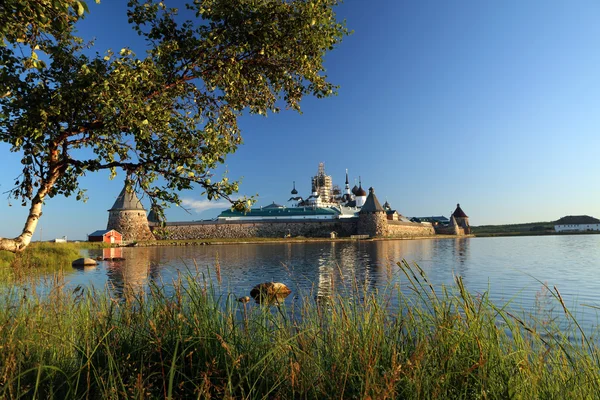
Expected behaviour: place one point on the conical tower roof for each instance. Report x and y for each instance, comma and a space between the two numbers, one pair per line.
371, 204
127, 200
153, 217
459, 213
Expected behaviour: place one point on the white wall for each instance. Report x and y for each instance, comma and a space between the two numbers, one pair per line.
577, 228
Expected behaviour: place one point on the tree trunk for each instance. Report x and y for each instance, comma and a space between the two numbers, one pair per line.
19, 243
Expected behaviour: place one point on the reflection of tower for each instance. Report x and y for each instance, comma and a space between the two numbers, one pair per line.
327, 263
380, 266
461, 250
131, 274
128, 217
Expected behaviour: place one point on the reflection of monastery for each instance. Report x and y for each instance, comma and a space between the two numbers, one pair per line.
326, 212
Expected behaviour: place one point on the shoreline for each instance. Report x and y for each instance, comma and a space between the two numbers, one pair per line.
257, 240
207, 242
509, 234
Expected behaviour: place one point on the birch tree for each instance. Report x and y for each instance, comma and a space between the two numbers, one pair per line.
166, 118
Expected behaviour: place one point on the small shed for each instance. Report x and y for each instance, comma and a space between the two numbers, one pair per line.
106, 236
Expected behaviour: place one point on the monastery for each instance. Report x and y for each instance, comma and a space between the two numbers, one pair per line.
326, 212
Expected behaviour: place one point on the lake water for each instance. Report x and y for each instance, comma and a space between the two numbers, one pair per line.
509, 268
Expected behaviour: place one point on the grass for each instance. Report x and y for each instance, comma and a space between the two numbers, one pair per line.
41, 258
46, 254
188, 342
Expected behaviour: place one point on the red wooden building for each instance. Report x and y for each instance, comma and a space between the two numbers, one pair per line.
106, 236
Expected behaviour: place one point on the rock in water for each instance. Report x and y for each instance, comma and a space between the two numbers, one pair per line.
270, 292
83, 262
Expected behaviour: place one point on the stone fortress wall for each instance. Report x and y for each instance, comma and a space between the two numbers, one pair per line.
279, 229
409, 229
239, 229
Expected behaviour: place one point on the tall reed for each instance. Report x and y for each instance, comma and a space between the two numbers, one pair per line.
189, 341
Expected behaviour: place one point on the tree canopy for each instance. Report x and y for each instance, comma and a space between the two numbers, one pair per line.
167, 117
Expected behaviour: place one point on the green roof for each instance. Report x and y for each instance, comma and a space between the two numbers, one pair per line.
280, 212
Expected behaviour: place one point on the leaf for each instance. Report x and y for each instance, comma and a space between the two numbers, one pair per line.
80, 8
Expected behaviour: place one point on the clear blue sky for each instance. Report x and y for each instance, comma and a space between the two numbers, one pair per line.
494, 105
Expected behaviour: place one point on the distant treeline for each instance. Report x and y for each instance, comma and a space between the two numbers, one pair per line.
530, 228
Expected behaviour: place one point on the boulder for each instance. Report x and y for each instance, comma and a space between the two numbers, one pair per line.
84, 262
270, 292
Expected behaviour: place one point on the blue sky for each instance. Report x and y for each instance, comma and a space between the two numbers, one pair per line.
494, 105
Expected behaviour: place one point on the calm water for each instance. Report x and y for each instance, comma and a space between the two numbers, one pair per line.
511, 269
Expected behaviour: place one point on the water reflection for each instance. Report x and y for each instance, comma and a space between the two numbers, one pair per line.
511, 269
133, 270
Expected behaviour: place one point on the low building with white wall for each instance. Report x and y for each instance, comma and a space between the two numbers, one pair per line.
577, 223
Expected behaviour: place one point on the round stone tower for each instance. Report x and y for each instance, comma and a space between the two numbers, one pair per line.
462, 220
128, 217
372, 219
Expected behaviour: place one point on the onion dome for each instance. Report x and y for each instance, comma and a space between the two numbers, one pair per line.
354, 190
360, 191
294, 191
386, 205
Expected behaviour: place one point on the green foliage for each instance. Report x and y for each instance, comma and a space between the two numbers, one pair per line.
167, 117
441, 343
27, 21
